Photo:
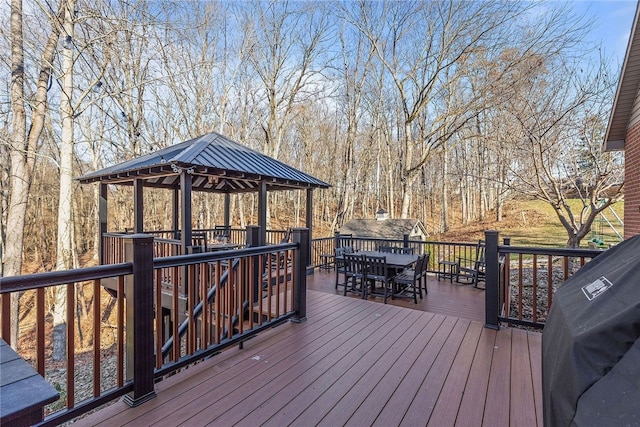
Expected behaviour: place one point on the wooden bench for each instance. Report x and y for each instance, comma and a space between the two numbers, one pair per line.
24, 392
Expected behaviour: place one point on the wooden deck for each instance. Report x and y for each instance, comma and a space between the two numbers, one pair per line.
444, 297
359, 363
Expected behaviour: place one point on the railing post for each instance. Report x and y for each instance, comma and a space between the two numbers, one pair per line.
405, 240
139, 318
253, 235
492, 278
252, 240
300, 236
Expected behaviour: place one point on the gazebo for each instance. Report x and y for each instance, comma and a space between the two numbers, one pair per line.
210, 163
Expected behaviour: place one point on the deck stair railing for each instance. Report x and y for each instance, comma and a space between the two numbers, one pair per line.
127, 331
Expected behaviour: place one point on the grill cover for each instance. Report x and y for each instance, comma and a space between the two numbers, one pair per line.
591, 346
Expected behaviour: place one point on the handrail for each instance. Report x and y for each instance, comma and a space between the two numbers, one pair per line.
508, 249
190, 259
54, 278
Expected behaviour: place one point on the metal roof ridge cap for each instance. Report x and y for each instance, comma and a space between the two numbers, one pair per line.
194, 149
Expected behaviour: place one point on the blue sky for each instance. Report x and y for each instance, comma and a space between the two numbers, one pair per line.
612, 26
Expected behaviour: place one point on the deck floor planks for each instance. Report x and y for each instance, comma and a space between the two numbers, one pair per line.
278, 338
306, 387
535, 355
304, 363
369, 370
290, 359
176, 381
496, 411
523, 411
446, 407
393, 410
380, 383
472, 405
450, 299
302, 370
425, 399
243, 365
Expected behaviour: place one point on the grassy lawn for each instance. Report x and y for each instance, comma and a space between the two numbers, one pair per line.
540, 226
534, 223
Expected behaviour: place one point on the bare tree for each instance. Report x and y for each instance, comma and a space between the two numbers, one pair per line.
422, 45
561, 122
24, 142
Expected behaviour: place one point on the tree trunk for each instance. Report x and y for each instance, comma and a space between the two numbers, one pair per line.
23, 146
444, 212
64, 252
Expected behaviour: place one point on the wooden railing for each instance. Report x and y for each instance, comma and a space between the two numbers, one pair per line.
222, 299
519, 287
521, 281
440, 251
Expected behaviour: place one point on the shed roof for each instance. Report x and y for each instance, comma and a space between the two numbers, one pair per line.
217, 164
626, 93
384, 229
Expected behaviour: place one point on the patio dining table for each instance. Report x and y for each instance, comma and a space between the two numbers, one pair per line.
395, 262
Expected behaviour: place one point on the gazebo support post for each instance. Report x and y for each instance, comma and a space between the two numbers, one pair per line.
262, 213
227, 211
175, 203
185, 206
309, 219
138, 206
102, 218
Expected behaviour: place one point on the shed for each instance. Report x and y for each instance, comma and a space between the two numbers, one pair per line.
385, 228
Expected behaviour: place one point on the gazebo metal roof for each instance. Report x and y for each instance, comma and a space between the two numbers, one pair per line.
216, 163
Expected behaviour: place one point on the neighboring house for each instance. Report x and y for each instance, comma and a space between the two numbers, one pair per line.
385, 228
623, 132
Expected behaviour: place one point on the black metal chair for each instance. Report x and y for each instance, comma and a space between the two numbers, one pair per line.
355, 274
199, 241
473, 270
424, 267
385, 248
377, 272
408, 283
339, 265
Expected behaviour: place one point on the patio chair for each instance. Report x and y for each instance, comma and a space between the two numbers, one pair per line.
472, 270
377, 272
408, 284
339, 266
385, 248
199, 241
355, 275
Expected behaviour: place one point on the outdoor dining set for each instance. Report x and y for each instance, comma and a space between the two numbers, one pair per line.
388, 272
